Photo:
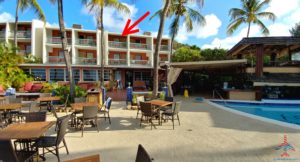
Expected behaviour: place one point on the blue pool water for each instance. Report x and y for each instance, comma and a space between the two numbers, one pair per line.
282, 111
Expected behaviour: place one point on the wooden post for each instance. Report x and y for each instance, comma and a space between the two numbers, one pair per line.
259, 60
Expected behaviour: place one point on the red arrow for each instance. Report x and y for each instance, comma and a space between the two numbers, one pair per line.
128, 29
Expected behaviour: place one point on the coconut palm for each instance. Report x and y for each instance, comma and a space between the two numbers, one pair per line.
67, 52
23, 5
96, 7
163, 15
180, 9
250, 13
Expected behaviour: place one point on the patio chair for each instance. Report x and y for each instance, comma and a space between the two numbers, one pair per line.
169, 99
148, 112
64, 105
138, 100
170, 114
142, 155
44, 104
14, 114
107, 105
8, 154
34, 107
51, 143
89, 115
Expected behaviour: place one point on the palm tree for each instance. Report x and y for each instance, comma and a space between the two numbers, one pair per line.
163, 15
23, 5
250, 13
67, 53
97, 7
180, 9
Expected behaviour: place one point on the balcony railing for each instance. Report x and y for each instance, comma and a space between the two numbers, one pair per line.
139, 62
56, 59
116, 44
85, 60
139, 46
117, 62
21, 34
2, 34
163, 60
57, 40
86, 42
163, 47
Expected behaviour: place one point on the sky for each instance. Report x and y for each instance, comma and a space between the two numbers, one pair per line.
213, 35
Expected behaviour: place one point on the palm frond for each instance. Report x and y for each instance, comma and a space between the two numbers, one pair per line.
262, 4
196, 16
174, 26
38, 10
268, 15
188, 21
234, 25
262, 26
235, 13
157, 13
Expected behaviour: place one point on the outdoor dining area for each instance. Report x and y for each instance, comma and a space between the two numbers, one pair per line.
25, 125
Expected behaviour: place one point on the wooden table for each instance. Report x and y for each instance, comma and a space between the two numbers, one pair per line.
79, 106
11, 106
2, 99
48, 99
160, 103
30, 130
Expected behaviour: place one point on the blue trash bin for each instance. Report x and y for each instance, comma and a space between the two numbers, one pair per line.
166, 91
129, 95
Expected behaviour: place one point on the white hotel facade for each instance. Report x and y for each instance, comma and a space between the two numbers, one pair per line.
127, 58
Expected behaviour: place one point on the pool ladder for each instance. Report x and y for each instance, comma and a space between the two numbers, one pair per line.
216, 92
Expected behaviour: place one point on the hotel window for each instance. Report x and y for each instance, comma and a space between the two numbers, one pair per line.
39, 74
57, 75
138, 57
89, 55
61, 54
89, 75
76, 75
137, 41
116, 56
145, 76
106, 75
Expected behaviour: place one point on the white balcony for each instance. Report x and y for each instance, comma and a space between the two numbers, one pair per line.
56, 60
117, 61
139, 46
21, 34
163, 47
57, 40
115, 44
140, 62
86, 42
85, 60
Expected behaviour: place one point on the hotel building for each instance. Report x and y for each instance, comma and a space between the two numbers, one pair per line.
127, 58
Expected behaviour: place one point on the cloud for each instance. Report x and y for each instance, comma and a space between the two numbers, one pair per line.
112, 19
4, 17
154, 34
281, 8
213, 23
52, 25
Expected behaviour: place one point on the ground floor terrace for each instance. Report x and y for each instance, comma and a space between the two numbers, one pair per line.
206, 134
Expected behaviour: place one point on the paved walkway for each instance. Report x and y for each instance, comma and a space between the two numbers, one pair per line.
206, 134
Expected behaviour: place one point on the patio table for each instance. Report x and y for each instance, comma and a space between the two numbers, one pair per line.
79, 106
158, 104
48, 101
32, 130
11, 106
2, 99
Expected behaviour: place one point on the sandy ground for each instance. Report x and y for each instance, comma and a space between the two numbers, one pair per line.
206, 134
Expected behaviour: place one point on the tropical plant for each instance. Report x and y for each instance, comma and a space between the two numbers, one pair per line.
67, 53
96, 7
295, 31
180, 9
214, 54
49, 87
32, 59
250, 13
10, 74
186, 54
23, 5
61, 91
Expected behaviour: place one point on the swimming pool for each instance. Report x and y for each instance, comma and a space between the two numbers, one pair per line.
281, 112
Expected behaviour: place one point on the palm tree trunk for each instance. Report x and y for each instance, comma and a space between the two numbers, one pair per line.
249, 25
16, 23
157, 47
102, 46
64, 47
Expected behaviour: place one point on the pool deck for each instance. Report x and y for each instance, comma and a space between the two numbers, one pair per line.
206, 134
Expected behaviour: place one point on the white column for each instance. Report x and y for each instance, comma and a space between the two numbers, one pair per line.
73, 52
128, 50
106, 48
98, 46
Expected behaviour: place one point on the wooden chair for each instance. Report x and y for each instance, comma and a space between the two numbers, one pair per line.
148, 113
142, 155
8, 154
138, 100
51, 143
89, 114
172, 113
92, 158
